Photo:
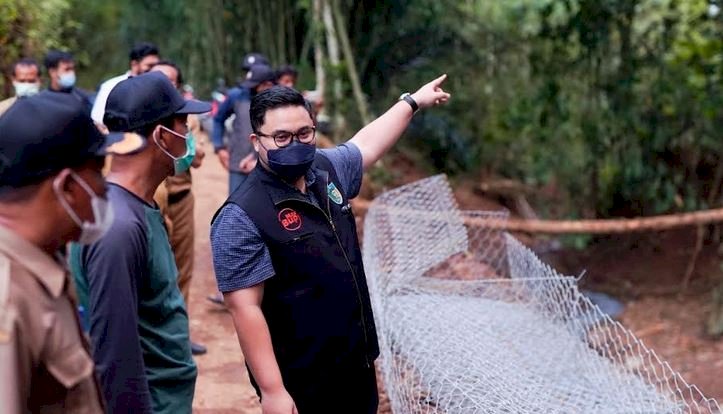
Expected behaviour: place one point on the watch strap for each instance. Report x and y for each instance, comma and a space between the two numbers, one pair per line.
407, 97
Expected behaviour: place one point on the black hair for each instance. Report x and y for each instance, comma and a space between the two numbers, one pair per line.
286, 70
166, 62
141, 50
26, 62
120, 124
54, 57
146, 130
20, 194
272, 98
28, 188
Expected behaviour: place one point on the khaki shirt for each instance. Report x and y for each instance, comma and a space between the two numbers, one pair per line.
6, 104
178, 183
45, 363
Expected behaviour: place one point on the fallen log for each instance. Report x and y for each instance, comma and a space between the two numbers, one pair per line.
601, 226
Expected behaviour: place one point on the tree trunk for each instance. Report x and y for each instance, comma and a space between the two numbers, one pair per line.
317, 32
351, 66
333, 49
715, 320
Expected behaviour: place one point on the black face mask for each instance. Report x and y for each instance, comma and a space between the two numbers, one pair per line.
293, 161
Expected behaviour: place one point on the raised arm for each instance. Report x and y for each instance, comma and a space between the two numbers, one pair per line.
375, 139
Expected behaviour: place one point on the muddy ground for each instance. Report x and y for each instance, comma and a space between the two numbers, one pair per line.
643, 271
223, 385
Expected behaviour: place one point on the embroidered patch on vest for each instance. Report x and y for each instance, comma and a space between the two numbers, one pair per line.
290, 219
334, 194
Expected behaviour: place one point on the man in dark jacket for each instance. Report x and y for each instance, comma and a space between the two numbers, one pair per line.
61, 73
237, 156
287, 257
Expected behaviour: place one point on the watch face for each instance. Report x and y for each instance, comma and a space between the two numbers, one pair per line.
403, 95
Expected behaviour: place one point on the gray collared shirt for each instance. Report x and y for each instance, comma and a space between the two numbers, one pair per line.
240, 256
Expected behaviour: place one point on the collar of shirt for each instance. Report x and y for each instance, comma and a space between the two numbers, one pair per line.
45, 268
280, 190
310, 177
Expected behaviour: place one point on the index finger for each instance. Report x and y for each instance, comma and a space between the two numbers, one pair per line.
439, 80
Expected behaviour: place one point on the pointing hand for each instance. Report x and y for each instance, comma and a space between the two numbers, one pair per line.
431, 94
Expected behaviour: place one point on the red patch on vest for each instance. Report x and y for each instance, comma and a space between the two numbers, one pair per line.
290, 219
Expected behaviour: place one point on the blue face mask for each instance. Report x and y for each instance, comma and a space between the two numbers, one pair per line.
67, 80
183, 163
293, 161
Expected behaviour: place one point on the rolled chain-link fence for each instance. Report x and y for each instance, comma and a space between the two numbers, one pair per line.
471, 321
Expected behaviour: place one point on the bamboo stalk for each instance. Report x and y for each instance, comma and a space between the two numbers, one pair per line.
361, 101
317, 33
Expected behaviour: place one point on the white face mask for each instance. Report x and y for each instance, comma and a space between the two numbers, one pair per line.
23, 89
102, 212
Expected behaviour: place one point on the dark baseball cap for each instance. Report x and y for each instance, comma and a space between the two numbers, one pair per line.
42, 134
253, 59
146, 99
257, 75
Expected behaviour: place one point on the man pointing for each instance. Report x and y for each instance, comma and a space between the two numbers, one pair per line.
288, 261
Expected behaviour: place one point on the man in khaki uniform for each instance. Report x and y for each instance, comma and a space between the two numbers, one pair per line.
176, 201
51, 192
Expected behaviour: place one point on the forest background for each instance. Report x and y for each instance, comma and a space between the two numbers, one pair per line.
594, 108
608, 107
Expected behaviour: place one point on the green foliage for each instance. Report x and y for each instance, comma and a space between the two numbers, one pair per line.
612, 103
28, 28
207, 38
614, 106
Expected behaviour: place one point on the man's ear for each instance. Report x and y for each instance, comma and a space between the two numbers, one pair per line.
158, 136
62, 182
254, 141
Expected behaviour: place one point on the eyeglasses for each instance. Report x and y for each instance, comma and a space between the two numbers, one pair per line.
283, 139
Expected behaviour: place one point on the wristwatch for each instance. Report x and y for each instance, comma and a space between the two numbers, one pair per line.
407, 97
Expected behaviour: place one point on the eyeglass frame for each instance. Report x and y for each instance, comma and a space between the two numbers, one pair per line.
294, 135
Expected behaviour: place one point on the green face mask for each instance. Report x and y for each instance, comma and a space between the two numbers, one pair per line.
183, 163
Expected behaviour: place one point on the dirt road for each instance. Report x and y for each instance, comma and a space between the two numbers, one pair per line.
223, 385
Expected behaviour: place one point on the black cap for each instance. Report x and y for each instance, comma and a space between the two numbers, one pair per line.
43, 134
253, 59
257, 75
145, 99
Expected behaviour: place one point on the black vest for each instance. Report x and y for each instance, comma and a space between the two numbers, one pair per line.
317, 304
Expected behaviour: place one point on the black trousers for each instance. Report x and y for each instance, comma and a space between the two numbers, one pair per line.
349, 390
